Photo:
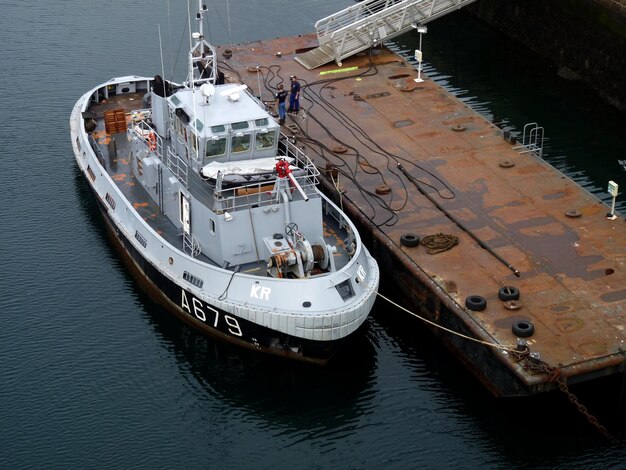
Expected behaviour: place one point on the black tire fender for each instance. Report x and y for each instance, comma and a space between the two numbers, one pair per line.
476, 303
508, 293
523, 328
410, 239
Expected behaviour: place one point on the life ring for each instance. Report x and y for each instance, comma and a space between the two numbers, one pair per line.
152, 142
523, 328
410, 239
476, 303
508, 293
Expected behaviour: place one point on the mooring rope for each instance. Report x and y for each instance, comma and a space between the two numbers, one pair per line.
439, 242
553, 373
456, 333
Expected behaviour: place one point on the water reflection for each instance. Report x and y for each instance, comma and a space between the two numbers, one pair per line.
286, 394
534, 431
583, 136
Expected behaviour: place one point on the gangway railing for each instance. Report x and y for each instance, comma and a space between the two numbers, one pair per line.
369, 23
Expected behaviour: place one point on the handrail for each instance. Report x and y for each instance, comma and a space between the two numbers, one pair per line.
373, 21
260, 193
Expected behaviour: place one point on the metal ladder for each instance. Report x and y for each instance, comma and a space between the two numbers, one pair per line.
369, 23
532, 140
191, 246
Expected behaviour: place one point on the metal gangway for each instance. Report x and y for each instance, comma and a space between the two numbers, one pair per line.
369, 23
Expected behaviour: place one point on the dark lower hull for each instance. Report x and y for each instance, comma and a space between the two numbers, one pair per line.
209, 319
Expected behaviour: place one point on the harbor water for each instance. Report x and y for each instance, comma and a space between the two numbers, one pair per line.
94, 374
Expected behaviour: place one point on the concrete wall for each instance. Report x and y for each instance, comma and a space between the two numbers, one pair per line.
585, 39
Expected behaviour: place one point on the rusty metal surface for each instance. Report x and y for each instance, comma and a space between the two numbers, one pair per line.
571, 258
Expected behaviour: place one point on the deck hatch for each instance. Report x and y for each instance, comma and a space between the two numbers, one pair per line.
191, 279
345, 289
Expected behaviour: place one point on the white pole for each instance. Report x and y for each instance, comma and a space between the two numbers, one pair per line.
612, 215
419, 65
298, 187
418, 53
613, 191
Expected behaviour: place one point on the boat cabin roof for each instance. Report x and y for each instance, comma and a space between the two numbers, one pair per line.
210, 116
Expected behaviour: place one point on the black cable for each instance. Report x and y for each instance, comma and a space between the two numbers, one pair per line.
460, 224
272, 78
225, 293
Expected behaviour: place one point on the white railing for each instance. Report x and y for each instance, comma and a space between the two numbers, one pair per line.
178, 166
261, 193
371, 22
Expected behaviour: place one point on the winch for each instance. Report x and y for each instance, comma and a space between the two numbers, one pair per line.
295, 256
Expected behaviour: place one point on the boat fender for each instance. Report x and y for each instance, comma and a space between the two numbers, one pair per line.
476, 303
508, 293
410, 240
152, 142
523, 328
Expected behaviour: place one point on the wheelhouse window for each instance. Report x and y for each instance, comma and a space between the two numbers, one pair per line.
264, 140
240, 143
215, 147
194, 143
238, 126
181, 130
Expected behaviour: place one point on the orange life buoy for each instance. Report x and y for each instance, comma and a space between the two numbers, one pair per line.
152, 141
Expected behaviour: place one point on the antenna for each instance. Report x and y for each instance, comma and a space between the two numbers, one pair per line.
162, 63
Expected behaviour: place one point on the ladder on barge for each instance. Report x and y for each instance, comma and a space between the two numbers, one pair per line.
369, 23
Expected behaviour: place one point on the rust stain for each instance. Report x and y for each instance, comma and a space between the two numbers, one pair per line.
593, 348
569, 325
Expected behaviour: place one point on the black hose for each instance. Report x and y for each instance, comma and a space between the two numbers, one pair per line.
481, 243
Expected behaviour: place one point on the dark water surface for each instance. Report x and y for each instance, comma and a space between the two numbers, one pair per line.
93, 374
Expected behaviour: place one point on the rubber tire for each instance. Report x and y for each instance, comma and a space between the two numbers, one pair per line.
523, 328
476, 303
508, 293
410, 240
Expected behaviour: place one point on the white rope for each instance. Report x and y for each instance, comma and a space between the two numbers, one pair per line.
486, 343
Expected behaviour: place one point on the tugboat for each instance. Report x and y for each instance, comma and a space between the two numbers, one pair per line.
219, 212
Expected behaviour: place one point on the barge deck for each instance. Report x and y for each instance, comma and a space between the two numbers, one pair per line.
413, 160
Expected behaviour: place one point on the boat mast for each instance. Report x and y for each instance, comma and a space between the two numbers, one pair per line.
202, 63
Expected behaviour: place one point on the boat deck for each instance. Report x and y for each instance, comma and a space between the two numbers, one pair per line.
570, 257
115, 151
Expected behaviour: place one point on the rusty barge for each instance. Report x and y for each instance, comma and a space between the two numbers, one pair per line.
535, 271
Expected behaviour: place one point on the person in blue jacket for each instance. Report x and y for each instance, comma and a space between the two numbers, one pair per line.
294, 97
280, 96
